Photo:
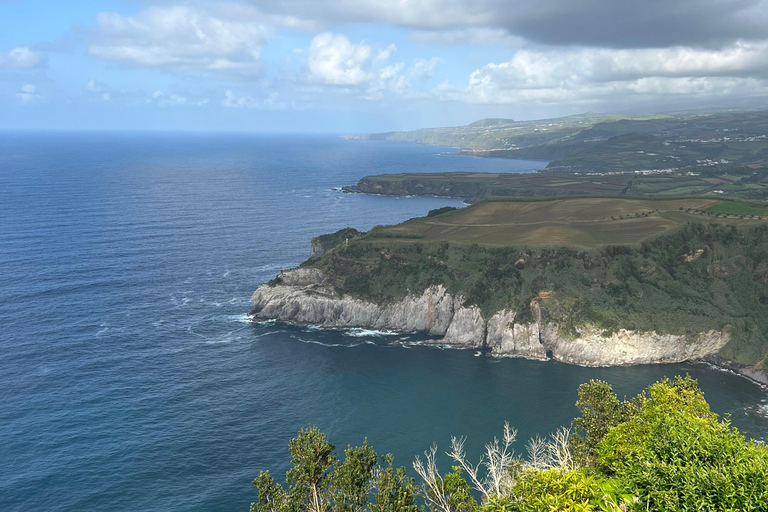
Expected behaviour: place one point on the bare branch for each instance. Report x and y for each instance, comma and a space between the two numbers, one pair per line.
560, 450
433, 489
498, 458
538, 453
458, 455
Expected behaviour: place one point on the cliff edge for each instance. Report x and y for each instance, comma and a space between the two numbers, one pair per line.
303, 297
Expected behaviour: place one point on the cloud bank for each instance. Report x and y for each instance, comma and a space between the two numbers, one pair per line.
179, 38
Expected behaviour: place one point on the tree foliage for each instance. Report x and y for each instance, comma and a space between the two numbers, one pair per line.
318, 482
664, 450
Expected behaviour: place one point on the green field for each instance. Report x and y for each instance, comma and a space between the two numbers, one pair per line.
735, 208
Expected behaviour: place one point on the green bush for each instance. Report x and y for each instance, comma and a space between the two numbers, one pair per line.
674, 454
662, 451
572, 491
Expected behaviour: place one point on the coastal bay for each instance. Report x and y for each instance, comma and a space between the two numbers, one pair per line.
133, 377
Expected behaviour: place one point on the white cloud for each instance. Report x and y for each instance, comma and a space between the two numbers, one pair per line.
180, 38
22, 58
166, 100
596, 23
356, 69
98, 91
28, 95
388, 79
333, 60
399, 12
93, 86
423, 69
271, 102
476, 36
587, 75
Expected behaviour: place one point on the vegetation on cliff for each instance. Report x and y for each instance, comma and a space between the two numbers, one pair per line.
692, 279
324, 243
661, 451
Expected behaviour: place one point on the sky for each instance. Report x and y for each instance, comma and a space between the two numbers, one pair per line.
354, 66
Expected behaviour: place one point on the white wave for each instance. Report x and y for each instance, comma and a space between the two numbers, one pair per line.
226, 339
332, 345
183, 302
315, 342
240, 318
478, 354
226, 274
363, 333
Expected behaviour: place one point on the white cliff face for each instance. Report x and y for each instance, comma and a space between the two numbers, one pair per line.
467, 327
304, 298
625, 347
506, 338
307, 301
316, 248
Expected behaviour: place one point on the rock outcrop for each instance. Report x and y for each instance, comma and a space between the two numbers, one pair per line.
505, 337
316, 248
303, 297
591, 348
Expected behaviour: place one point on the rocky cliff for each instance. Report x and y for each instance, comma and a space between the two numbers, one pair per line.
302, 296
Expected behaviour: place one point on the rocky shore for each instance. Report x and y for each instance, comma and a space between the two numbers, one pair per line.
301, 296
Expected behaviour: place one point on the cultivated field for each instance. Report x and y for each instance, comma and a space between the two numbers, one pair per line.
582, 222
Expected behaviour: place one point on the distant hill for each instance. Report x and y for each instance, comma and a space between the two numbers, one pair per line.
493, 133
593, 142
492, 121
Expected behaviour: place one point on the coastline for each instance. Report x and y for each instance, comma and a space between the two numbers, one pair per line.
303, 299
715, 362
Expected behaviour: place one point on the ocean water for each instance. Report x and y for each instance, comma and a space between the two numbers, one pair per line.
130, 378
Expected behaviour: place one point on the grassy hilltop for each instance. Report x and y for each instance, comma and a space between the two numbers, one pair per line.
678, 266
582, 222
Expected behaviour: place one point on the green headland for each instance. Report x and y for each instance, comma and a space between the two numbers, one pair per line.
673, 266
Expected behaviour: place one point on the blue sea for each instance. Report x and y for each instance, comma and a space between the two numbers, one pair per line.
130, 377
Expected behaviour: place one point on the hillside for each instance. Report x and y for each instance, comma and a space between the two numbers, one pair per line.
677, 276
599, 143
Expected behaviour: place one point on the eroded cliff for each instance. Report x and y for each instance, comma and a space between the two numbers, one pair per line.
302, 296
